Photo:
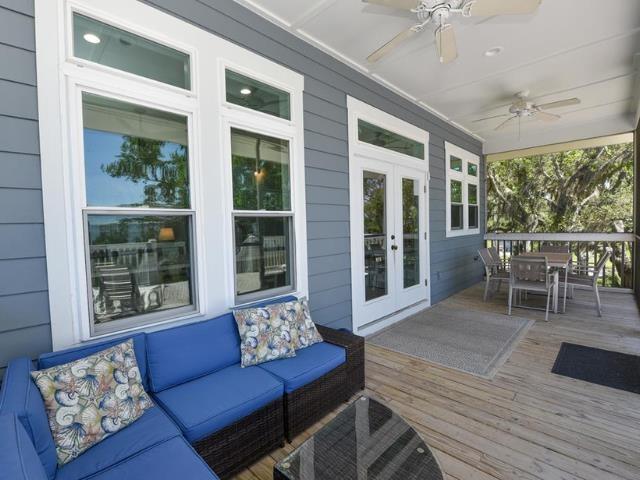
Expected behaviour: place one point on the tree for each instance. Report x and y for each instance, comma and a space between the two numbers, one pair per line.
166, 182
585, 190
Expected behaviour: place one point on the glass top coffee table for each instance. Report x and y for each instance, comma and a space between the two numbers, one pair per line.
365, 441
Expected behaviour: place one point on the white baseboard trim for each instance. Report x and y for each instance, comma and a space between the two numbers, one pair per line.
385, 322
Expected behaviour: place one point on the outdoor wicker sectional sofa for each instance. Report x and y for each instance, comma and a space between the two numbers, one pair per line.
206, 406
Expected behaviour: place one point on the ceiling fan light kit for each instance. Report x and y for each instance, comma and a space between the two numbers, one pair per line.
440, 12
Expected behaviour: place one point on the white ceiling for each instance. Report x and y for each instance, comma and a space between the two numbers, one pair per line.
570, 48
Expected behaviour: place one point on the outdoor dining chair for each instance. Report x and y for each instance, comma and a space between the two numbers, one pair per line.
493, 251
493, 271
549, 248
586, 276
531, 274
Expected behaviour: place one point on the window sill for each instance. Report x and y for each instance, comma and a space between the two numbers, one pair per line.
462, 233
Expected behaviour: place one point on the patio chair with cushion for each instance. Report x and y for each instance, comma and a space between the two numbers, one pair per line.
586, 276
493, 271
531, 274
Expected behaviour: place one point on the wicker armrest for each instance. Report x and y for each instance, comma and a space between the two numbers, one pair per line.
342, 338
354, 346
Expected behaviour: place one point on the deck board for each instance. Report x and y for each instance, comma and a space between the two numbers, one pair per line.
525, 423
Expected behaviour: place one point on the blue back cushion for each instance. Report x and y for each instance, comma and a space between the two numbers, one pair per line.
52, 359
18, 458
179, 354
21, 397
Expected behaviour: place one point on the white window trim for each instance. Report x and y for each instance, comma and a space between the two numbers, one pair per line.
59, 76
466, 180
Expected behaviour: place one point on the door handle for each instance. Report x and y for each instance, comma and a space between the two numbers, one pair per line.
394, 247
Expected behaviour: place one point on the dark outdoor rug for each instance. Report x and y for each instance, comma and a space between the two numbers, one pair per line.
603, 367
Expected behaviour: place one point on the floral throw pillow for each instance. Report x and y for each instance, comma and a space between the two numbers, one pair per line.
265, 334
303, 331
91, 398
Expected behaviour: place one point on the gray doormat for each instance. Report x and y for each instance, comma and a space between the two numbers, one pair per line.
471, 341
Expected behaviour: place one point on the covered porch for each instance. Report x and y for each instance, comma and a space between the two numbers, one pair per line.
245, 239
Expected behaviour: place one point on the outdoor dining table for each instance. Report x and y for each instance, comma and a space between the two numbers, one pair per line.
555, 262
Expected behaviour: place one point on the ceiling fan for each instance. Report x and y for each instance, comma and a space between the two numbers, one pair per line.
439, 12
522, 108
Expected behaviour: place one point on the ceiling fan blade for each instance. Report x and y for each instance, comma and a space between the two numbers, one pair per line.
446, 43
505, 123
391, 44
491, 118
401, 4
489, 8
560, 103
547, 117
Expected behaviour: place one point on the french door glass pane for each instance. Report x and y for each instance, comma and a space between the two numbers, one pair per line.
139, 264
472, 169
250, 93
134, 156
375, 234
260, 171
473, 194
369, 133
410, 234
456, 217
455, 163
263, 253
456, 191
473, 216
101, 43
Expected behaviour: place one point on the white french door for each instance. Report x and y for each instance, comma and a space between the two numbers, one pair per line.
389, 205
391, 249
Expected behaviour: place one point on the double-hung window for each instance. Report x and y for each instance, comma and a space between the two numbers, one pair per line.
173, 176
462, 191
261, 161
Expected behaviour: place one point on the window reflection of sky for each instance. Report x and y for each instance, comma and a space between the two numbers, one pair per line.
102, 148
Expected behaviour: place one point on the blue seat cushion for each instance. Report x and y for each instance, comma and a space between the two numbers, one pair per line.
18, 457
308, 365
52, 359
183, 353
152, 428
207, 404
169, 460
179, 354
20, 396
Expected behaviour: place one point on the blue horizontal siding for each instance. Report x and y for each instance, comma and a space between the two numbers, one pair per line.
24, 305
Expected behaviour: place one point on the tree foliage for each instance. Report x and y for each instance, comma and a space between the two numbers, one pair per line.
165, 180
588, 190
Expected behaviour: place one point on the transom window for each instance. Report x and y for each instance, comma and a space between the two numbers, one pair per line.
116, 48
250, 93
380, 137
463, 209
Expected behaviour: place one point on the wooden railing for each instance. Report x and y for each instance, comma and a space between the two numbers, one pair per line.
586, 249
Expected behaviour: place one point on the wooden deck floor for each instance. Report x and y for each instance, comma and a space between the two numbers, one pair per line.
525, 423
